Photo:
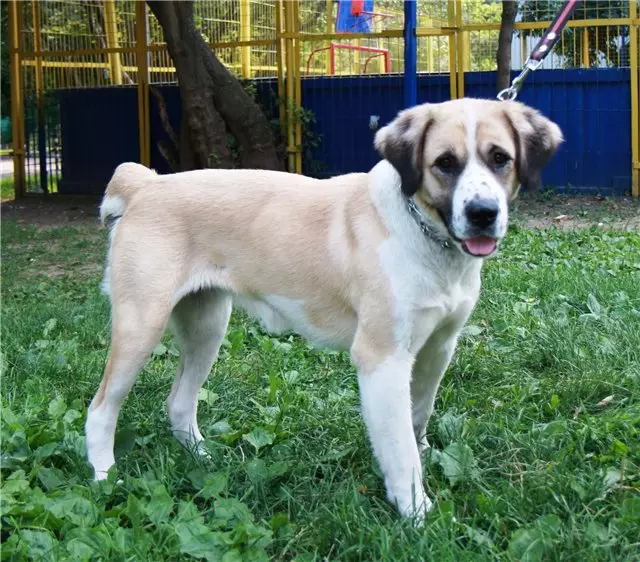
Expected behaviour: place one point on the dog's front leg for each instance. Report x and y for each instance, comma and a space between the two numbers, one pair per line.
385, 391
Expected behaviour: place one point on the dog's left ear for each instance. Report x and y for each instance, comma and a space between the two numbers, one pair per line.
537, 139
402, 141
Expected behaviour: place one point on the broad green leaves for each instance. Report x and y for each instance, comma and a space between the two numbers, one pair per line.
535, 431
532, 543
458, 463
259, 437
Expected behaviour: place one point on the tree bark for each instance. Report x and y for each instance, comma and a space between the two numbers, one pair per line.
169, 149
503, 54
213, 100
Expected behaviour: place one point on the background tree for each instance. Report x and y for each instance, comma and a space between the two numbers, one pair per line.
503, 53
213, 100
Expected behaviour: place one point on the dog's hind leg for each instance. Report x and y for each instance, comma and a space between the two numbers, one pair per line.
137, 326
428, 370
199, 322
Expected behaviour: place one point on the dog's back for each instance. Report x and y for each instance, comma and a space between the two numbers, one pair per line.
123, 186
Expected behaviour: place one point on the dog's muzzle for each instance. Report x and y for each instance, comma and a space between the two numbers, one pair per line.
481, 217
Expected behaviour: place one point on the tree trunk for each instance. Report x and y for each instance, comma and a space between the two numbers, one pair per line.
503, 55
213, 100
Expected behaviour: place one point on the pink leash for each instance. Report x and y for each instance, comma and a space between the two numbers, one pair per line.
541, 50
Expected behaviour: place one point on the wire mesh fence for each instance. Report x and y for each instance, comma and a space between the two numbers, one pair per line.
343, 64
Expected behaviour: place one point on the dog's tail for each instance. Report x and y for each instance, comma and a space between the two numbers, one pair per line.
125, 183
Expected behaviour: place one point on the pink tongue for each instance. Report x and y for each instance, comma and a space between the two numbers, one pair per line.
480, 245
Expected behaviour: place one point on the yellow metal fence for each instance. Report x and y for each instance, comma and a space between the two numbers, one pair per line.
90, 43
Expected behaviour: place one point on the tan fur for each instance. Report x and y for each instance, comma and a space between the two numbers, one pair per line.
272, 219
126, 181
340, 261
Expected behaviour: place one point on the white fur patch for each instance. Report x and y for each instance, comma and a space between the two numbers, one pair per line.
279, 315
427, 284
112, 207
105, 284
270, 319
386, 407
476, 182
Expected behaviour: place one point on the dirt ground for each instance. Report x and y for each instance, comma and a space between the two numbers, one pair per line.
51, 212
532, 210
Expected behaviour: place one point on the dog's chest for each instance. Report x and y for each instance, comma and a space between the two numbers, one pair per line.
428, 294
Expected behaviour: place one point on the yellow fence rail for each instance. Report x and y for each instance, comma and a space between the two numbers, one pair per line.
75, 43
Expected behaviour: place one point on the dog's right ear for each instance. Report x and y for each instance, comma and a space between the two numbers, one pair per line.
401, 142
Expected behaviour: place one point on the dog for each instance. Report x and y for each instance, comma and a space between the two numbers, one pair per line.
384, 264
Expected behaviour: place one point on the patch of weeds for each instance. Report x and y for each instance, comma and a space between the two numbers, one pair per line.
535, 434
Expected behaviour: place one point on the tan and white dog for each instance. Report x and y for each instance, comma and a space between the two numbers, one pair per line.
385, 264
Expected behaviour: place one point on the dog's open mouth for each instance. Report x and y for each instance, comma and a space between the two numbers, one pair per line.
480, 246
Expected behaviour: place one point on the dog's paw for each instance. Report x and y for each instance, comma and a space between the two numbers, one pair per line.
200, 451
100, 475
105, 480
104, 475
415, 508
195, 446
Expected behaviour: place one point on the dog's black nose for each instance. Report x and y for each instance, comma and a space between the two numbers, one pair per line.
482, 213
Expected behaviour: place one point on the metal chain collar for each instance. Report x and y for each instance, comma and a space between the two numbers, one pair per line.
424, 226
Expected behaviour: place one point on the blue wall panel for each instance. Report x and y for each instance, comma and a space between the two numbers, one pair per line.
342, 107
99, 130
100, 126
593, 109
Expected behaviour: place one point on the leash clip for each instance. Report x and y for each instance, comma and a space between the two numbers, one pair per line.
544, 47
511, 93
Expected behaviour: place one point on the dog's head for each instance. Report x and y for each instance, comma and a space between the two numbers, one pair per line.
464, 160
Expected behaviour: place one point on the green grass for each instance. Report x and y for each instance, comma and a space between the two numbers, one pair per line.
6, 188
542, 399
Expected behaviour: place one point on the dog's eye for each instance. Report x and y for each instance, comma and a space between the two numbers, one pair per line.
445, 162
500, 158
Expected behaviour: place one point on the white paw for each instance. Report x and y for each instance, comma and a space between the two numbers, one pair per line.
200, 450
194, 444
100, 475
415, 508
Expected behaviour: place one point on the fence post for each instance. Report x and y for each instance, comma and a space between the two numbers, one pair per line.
290, 85
297, 85
111, 31
280, 63
453, 56
585, 48
42, 134
634, 71
329, 29
143, 82
293, 85
460, 49
245, 35
17, 98
410, 54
